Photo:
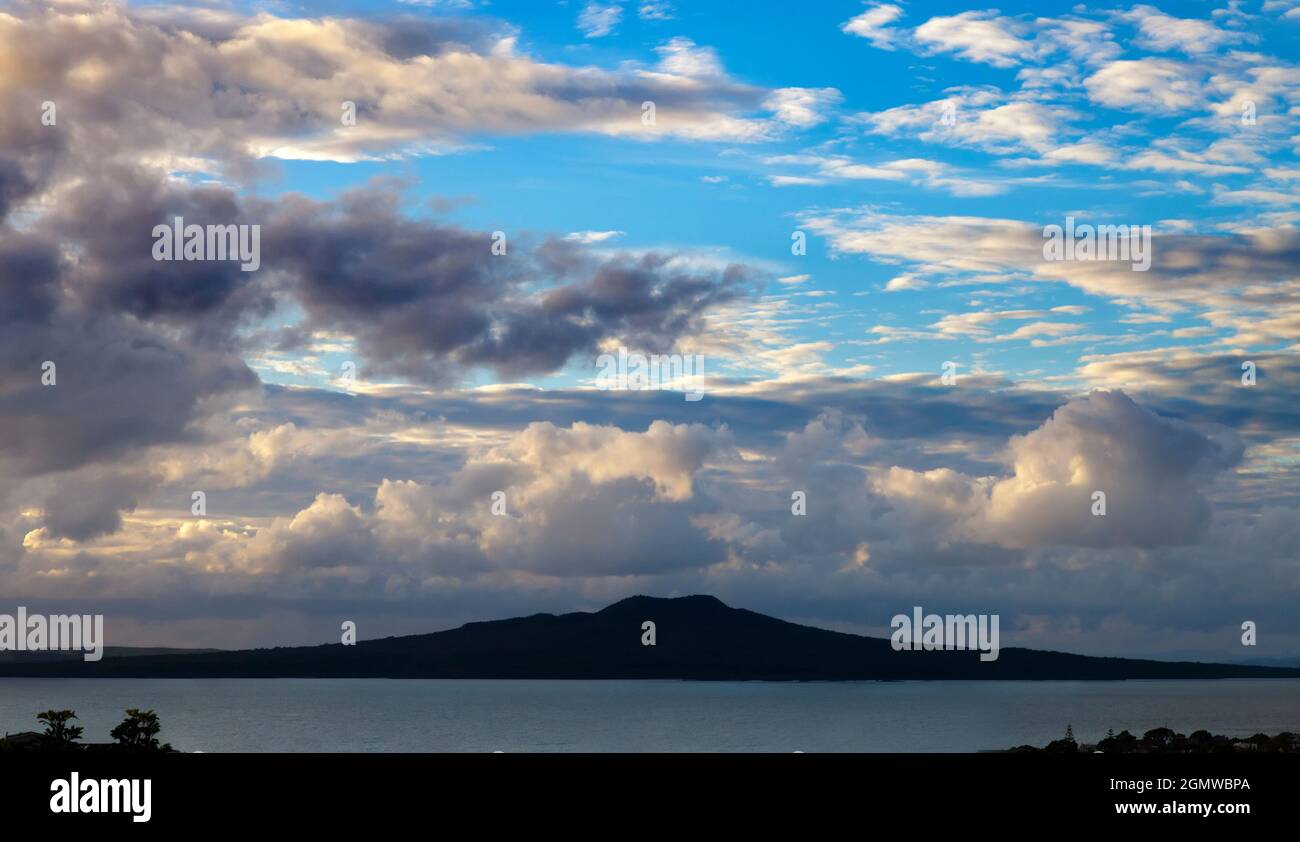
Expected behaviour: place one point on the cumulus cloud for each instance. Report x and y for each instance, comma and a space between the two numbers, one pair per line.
1164, 32
1152, 471
576, 501
330, 533
683, 57
874, 25
666, 456
1164, 84
976, 36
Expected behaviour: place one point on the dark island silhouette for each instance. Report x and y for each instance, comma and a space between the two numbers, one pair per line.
697, 638
7, 655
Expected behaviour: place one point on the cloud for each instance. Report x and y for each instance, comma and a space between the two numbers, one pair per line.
976, 36
1161, 32
980, 325
577, 501
599, 19
980, 118
665, 455
589, 237
1170, 378
802, 107
1084, 152
1139, 84
330, 533
990, 38
429, 302
1251, 272
116, 384
86, 505
682, 57
656, 10
873, 24
111, 220
279, 87
677, 505
899, 283
1149, 468
1084, 41
914, 170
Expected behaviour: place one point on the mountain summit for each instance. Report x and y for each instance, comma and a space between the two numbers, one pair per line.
695, 637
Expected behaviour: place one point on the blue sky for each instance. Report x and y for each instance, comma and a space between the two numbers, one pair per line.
719, 196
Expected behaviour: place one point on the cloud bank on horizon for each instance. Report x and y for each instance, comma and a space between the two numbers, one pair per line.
397, 419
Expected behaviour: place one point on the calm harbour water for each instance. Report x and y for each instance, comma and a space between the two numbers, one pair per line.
216, 715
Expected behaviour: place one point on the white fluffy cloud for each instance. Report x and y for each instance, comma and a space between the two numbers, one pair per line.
1165, 32
1153, 472
977, 36
874, 25
1163, 84
569, 501
803, 107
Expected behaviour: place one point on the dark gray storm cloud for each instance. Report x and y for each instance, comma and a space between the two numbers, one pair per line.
428, 301
107, 222
85, 383
82, 507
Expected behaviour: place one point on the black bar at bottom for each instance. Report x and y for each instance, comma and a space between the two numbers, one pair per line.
574, 791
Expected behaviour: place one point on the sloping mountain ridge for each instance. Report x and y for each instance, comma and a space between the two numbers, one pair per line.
697, 637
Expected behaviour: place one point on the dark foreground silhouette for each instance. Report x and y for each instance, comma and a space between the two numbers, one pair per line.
697, 637
137, 733
1167, 741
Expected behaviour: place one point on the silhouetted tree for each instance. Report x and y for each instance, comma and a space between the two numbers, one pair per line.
1167, 741
58, 733
138, 731
1284, 742
1121, 743
1158, 739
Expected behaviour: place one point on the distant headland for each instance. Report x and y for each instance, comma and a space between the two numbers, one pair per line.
688, 638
